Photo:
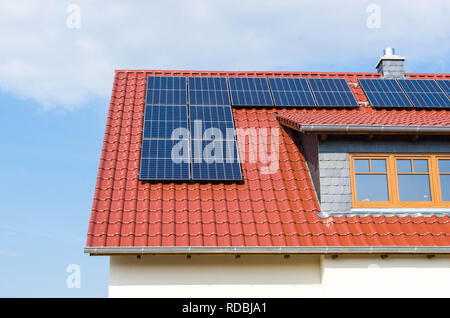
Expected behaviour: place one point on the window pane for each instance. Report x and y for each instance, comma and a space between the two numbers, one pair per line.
371, 187
445, 187
420, 165
404, 165
444, 165
414, 187
378, 165
362, 165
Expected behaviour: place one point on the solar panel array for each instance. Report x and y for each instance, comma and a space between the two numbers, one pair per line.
189, 131
194, 141
405, 93
333, 92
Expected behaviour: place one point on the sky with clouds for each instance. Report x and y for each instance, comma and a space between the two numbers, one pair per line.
56, 79
41, 58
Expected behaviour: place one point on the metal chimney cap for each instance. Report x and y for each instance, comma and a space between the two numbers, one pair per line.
389, 55
389, 51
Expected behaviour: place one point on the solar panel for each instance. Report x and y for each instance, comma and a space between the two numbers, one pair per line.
164, 159
445, 86
208, 91
213, 146
333, 92
165, 150
166, 90
215, 160
424, 93
384, 93
250, 91
291, 92
219, 118
161, 121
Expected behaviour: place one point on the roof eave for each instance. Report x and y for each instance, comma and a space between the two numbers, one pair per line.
108, 251
366, 129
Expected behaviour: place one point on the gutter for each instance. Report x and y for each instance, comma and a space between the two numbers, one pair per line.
269, 250
366, 129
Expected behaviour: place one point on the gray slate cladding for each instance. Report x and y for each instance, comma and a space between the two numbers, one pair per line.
334, 181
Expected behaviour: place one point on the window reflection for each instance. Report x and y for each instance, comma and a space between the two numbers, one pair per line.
371, 187
420, 165
414, 187
378, 165
404, 165
413, 180
444, 174
371, 180
362, 165
444, 165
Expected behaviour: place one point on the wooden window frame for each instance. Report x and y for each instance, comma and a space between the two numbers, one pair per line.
392, 180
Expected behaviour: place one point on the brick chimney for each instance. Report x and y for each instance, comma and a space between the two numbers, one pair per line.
391, 65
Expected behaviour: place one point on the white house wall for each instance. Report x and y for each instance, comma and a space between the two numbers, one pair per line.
214, 276
277, 276
394, 276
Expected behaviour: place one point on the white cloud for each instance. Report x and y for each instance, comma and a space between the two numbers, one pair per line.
42, 59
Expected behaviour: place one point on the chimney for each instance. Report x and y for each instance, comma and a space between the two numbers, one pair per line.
391, 65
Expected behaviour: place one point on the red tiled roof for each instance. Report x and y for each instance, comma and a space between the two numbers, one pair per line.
367, 116
277, 209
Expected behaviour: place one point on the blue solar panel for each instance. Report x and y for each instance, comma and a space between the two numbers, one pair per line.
215, 160
445, 86
211, 119
165, 145
166, 149
162, 121
164, 129
384, 93
333, 92
291, 92
165, 159
166, 90
221, 129
424, 93
171, 128
211, 113
213, 145
164, 112
250, 91
208, 91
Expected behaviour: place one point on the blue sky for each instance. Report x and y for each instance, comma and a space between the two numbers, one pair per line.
55, 83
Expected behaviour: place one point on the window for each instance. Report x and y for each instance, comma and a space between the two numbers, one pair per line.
397, 180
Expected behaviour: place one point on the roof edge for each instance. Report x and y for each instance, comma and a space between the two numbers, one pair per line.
275, 73
269, 250
262, 72
364, 129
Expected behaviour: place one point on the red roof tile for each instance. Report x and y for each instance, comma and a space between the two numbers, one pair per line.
277, 209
